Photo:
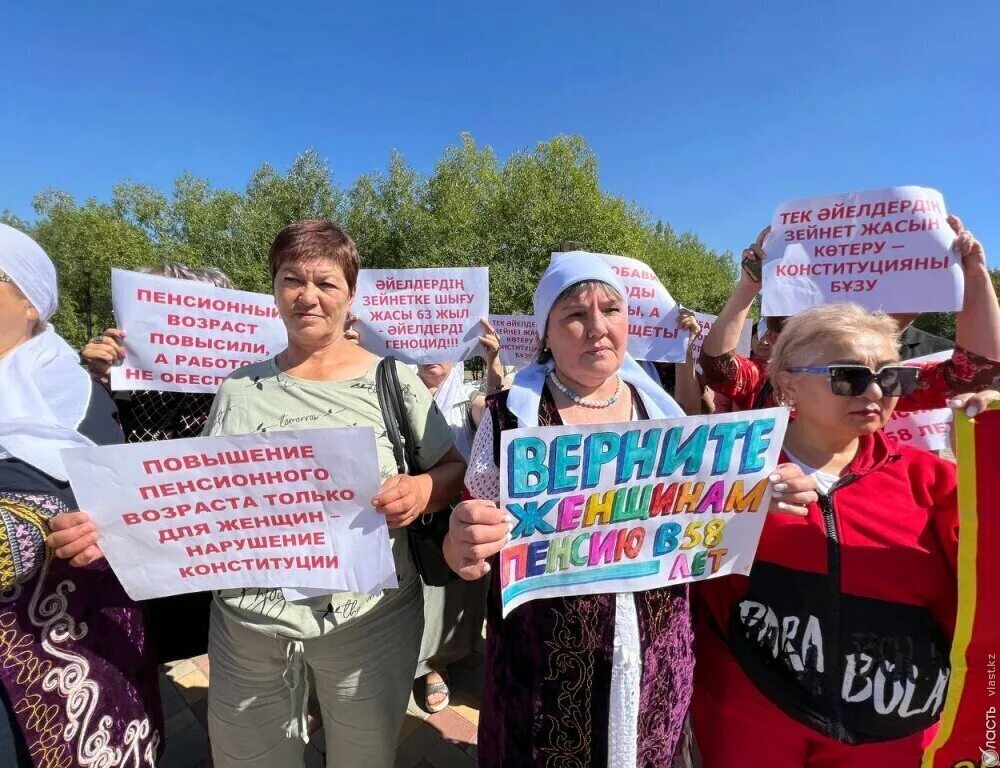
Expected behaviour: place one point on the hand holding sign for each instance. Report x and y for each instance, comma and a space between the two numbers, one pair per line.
887, 249
477, 531
74, 537
623, 507
401, 499
687, 321
490, 342
791, 490
267, 509
968, 249
104, 352
753, 258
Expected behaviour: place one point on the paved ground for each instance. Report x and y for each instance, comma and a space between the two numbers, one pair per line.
444, 740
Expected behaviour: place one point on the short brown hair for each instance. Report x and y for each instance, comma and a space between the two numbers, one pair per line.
315, 239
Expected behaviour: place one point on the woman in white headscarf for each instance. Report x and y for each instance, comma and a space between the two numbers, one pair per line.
597, 680
78, 686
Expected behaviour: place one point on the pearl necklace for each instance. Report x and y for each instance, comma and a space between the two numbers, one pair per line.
582, 400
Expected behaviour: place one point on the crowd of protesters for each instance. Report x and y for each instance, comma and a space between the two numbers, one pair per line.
621, 680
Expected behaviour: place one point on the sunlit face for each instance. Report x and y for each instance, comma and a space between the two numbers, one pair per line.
588, 335
313, 300
850, 417
434, 374
18, 317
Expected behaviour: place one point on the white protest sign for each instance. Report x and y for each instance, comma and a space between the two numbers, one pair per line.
652, 321
422, 315
188, 336
268, 509
887, 249
626, 507
707, 321
518, 338
930, 429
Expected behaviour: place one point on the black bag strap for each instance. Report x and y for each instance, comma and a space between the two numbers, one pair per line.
390, 413
397, 426
390, 398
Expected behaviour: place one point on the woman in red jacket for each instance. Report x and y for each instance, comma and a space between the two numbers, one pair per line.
834, 651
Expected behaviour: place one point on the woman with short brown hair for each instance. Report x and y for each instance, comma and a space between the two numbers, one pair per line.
360, 649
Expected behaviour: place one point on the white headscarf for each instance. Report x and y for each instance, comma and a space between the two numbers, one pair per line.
452, 393
452, 390
44, 393
30, 269
568, 270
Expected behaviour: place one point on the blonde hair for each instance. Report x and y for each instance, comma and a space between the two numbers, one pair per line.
805, 335
178, 271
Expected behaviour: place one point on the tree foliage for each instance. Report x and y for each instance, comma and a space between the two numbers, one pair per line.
472, 209
943, 323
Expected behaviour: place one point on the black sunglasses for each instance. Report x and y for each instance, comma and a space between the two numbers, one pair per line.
853, 380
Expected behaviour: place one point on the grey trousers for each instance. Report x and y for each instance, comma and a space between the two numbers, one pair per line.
258, 691
453, 623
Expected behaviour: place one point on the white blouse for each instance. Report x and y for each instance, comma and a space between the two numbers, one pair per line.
482, 478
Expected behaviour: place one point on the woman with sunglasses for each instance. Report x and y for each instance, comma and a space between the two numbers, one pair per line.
834, 651
973, 367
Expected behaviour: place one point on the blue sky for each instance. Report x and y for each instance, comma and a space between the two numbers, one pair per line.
707, 114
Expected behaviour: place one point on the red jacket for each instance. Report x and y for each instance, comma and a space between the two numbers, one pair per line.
845, 622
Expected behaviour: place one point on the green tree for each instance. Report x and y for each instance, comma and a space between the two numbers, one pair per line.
471, 210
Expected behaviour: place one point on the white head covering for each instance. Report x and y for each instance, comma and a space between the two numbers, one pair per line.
452, 393
44, 393
31, 270
452, 390
565, 271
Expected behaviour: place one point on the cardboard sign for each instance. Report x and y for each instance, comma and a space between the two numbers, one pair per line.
188, 336
269, 509
887, 249
518, 339
707, 321
422, 315
609, 508
929, 430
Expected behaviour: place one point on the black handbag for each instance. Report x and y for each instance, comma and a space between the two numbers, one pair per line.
425, 534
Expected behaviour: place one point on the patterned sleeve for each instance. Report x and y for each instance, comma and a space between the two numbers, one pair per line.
963, 372
482, 478
431, 430
24, 525
738, 378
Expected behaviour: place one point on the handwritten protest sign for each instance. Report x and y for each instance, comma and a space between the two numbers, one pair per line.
422, 315
968, 733
886, 249
269, 509
929, 430
633, 506
707, 321
188, 336
652, 322
518, 338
